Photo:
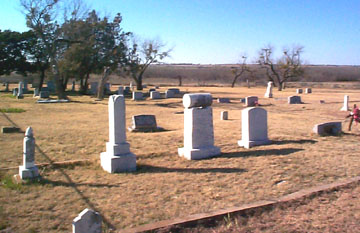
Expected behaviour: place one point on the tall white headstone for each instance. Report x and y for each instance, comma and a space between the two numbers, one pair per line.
88, 221
20, 91
253, 127
198, 127
268, 93
117, 157
346, 104
28, 170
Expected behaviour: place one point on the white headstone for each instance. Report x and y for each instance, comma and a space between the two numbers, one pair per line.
295, 99
6, 86
137, 95
299, 91
346, 104
28, 169
44, 94
88, 221
224, 115
20, 91
223, 100
253, 127
327, 128
308, 91
155, 95
251, 101
36, 92
117, 157
25, 87
144, 123
198, 127
268, 93
169, 94
93, 87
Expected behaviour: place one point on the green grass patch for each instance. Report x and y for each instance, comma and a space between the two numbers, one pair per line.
8, 182
12, 110
8, 96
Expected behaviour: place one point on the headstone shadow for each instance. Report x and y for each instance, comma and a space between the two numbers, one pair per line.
257, 153
301, 141
144, 168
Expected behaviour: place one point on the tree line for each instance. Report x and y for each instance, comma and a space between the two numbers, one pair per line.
67, 41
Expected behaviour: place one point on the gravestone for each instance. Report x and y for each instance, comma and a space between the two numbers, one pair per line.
88, 221
144, 123
120, 90
44, 94
295, 99
73, 86
175, 90
117, 157
28, 170
137, 95
299, 91
198, 127
251, 101
51, 86
155, 95
328, 128
36, 92
15, 91
25, 88
224, 115
169, 94
127, 90
242, 100
322, 101
223, 100
151, 89
346, 104
20, 91
268, 93
93, 87
131, 85
107, 89
6, 86
253, 127
144, 86
308, 91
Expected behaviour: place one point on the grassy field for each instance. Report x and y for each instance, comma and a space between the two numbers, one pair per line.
167, 186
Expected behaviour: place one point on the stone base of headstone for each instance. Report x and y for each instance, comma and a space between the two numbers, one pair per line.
19, 97
345, 108
200, 153
118, 158
118, 163
28, 173
248, 144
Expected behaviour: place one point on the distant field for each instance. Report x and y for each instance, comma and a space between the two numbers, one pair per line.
221, 75
166, 186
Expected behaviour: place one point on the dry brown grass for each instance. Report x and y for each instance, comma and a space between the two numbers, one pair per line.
165, 185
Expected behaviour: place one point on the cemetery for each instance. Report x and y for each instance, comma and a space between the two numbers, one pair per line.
79, 163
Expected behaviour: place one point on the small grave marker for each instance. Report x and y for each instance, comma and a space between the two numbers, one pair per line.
88, 221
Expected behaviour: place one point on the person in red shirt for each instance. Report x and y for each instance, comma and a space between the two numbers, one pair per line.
354, 116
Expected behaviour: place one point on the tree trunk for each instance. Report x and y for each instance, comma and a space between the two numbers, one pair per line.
280, 86
138, 81
103, 80
42, 78
84, 84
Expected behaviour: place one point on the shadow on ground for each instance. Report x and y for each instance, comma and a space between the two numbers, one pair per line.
256, 153
144, 168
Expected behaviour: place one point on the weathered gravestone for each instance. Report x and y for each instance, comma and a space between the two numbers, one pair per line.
73, 86
25, 88
117, 157
253, 127
144, 123
223, 100
155, 95
127, 90
345, 107
169, 93
137, 95
224, 115
299, 91
175, 90
28, 170
251, 101
44, 94
120, 90
295, 99
51, 86
88, 221
308, 91
268, 93
93, 88
20, 91
36, 92
198, 127
15, 91
107, 88
6, 86
328, 128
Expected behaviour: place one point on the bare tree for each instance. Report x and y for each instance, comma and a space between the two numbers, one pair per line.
239, 71
138, 60
289, 65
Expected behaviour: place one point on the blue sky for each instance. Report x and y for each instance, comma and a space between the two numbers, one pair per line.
219, 32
